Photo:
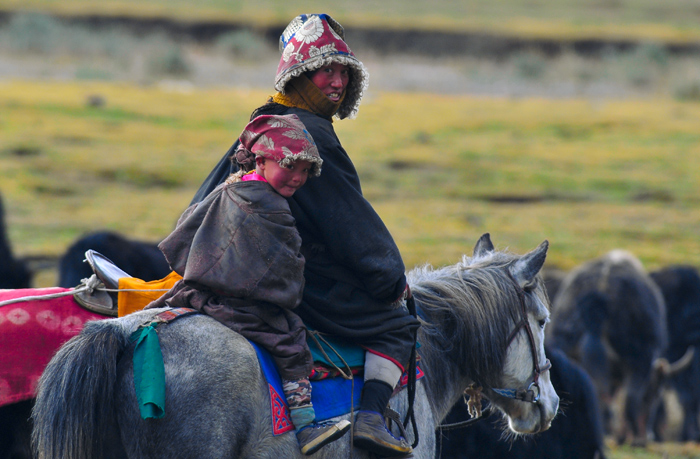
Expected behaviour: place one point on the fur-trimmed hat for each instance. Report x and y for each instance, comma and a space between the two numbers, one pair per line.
311, 41
282, 138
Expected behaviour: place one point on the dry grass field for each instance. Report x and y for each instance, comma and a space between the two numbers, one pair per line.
589, 176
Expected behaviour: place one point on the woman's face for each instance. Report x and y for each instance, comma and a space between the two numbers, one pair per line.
332, 80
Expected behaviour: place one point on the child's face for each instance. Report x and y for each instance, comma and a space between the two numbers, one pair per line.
285, 180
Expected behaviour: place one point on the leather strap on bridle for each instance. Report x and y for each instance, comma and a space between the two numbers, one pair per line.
524, 323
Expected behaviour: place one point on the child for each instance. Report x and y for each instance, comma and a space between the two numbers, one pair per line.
238, 254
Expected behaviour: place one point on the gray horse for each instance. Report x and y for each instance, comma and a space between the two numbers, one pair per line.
483, 324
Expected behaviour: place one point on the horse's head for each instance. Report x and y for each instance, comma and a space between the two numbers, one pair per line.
525, 393
483, 325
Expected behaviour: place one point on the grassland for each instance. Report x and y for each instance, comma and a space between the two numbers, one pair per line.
655, 451
675, 21
588, 176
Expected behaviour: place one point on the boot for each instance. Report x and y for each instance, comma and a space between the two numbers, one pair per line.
311, 435
371, 434
318, 434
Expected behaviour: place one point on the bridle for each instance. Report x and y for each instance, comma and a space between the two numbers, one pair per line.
532, 393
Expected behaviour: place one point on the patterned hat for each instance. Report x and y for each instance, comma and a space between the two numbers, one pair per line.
282, 138
311, 41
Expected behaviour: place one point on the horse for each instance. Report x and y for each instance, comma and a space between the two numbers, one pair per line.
34, 324
483, 323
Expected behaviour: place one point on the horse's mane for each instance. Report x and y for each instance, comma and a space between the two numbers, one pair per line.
466, 303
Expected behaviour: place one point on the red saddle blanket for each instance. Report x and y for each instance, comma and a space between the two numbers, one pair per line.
30, 333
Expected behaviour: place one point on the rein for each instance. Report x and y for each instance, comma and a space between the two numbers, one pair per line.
529, 395
458, 425
87, 285
411, 384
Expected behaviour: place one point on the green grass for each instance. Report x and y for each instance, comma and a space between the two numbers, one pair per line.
589, 176
655, 451
670, 20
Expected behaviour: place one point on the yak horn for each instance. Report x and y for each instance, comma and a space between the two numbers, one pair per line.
682, 363
665, 369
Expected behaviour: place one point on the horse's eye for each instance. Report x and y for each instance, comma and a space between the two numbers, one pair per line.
542, 323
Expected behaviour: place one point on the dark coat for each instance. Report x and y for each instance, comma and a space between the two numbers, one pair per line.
354, 270
238, 254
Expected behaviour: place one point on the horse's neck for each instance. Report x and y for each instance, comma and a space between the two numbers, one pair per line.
444, 381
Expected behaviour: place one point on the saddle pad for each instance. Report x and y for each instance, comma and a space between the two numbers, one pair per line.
136, 294
30, 333
331, 397
325, 349
281, 420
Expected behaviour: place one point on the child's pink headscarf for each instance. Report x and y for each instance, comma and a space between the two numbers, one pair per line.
282, 138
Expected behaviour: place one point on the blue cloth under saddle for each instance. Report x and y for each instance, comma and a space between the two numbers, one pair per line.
331, 397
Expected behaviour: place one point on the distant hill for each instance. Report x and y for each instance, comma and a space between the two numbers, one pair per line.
411, 39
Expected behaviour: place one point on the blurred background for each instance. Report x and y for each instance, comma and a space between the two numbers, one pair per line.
567, 120
570, 121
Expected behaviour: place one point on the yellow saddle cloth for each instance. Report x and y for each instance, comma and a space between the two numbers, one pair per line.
135, 294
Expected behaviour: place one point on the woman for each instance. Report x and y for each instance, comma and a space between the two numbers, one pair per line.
354, 272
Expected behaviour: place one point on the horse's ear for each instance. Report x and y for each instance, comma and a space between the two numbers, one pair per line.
526, 268
483, 246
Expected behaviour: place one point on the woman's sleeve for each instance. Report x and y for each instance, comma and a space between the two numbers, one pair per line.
346, 223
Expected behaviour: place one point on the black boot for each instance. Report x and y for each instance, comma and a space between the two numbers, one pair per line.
371, 434
370, 431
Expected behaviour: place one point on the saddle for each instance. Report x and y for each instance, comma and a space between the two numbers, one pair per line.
105, 269
95, 297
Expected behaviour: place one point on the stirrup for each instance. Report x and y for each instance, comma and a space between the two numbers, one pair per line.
94, 299
105, 269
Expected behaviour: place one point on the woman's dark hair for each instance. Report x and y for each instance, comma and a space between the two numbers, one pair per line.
270, 108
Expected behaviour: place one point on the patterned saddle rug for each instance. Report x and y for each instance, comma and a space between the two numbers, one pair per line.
30, 333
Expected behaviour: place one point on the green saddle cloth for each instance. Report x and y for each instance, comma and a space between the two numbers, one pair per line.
325, 350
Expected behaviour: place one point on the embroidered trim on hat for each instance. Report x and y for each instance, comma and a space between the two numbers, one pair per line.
311, 31
302, 53
262, 135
